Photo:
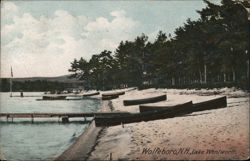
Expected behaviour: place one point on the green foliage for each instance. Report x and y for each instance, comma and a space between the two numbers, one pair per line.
217, 42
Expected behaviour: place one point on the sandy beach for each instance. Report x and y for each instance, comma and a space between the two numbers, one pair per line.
209, 135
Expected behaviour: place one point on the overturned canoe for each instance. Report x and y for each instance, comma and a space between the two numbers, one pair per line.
113, 94
210, 104
91, 94
145, 100
109, 97
161, 113
145, 108
54, 97
138, 117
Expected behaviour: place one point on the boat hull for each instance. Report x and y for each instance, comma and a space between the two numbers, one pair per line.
113, 94
138, 117
110, 97
54, 97
146, 108
91, 94
145, 100
163, 113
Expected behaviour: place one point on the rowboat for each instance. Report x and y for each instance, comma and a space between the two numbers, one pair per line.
54, 97
90, 94
145, 100
145, 108
161, 113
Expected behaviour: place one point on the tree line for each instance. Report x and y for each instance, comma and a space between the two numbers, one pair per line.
33, 86
212, 51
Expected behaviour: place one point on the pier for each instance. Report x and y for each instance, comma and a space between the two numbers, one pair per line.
64, 116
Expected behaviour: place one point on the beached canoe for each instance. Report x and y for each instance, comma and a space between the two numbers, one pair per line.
109, 97
91, 94
138, 117
161, 113
113, 94
201, 106
145, 100
54, 97
210, 104
146, 108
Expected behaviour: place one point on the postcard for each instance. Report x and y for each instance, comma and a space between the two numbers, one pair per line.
124, 80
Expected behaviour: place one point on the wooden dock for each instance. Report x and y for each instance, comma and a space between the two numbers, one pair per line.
65, 116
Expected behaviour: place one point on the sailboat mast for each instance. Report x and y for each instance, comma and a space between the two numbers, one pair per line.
11, 76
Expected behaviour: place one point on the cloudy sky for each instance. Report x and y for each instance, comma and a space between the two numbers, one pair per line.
41, 38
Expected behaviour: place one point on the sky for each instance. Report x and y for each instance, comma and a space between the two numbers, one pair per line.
42, 38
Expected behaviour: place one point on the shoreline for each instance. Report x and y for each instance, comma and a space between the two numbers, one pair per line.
214, 131
86, 142
201, 135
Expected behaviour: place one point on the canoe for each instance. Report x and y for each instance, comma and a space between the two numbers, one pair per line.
201, 106
90, 94
145, 100
138, 117
113, 94
109, 97
210, 104
145, 108
161, 113
54, 97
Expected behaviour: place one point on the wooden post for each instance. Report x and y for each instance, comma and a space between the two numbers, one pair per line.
65, 119
32, 118
110, 156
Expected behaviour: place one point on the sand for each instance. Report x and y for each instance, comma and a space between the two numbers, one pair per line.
212, 134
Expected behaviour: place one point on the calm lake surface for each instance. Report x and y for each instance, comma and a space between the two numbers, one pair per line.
45, 138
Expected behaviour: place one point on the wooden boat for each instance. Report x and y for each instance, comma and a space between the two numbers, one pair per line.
138, 117
109, 97
54, 97
90, 94
145, 100
210, 104
201, 106
145, 108
113, 94
161, 113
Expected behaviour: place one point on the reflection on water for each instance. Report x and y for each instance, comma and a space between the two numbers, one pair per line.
45, 138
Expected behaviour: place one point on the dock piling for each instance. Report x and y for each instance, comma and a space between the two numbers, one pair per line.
110, 156
65, 119
32, 118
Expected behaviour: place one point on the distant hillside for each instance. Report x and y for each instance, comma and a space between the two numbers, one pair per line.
64, 79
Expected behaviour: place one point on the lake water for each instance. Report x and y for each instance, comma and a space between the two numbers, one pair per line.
45, 138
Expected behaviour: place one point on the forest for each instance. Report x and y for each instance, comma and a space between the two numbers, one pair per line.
210, 52
34, 86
